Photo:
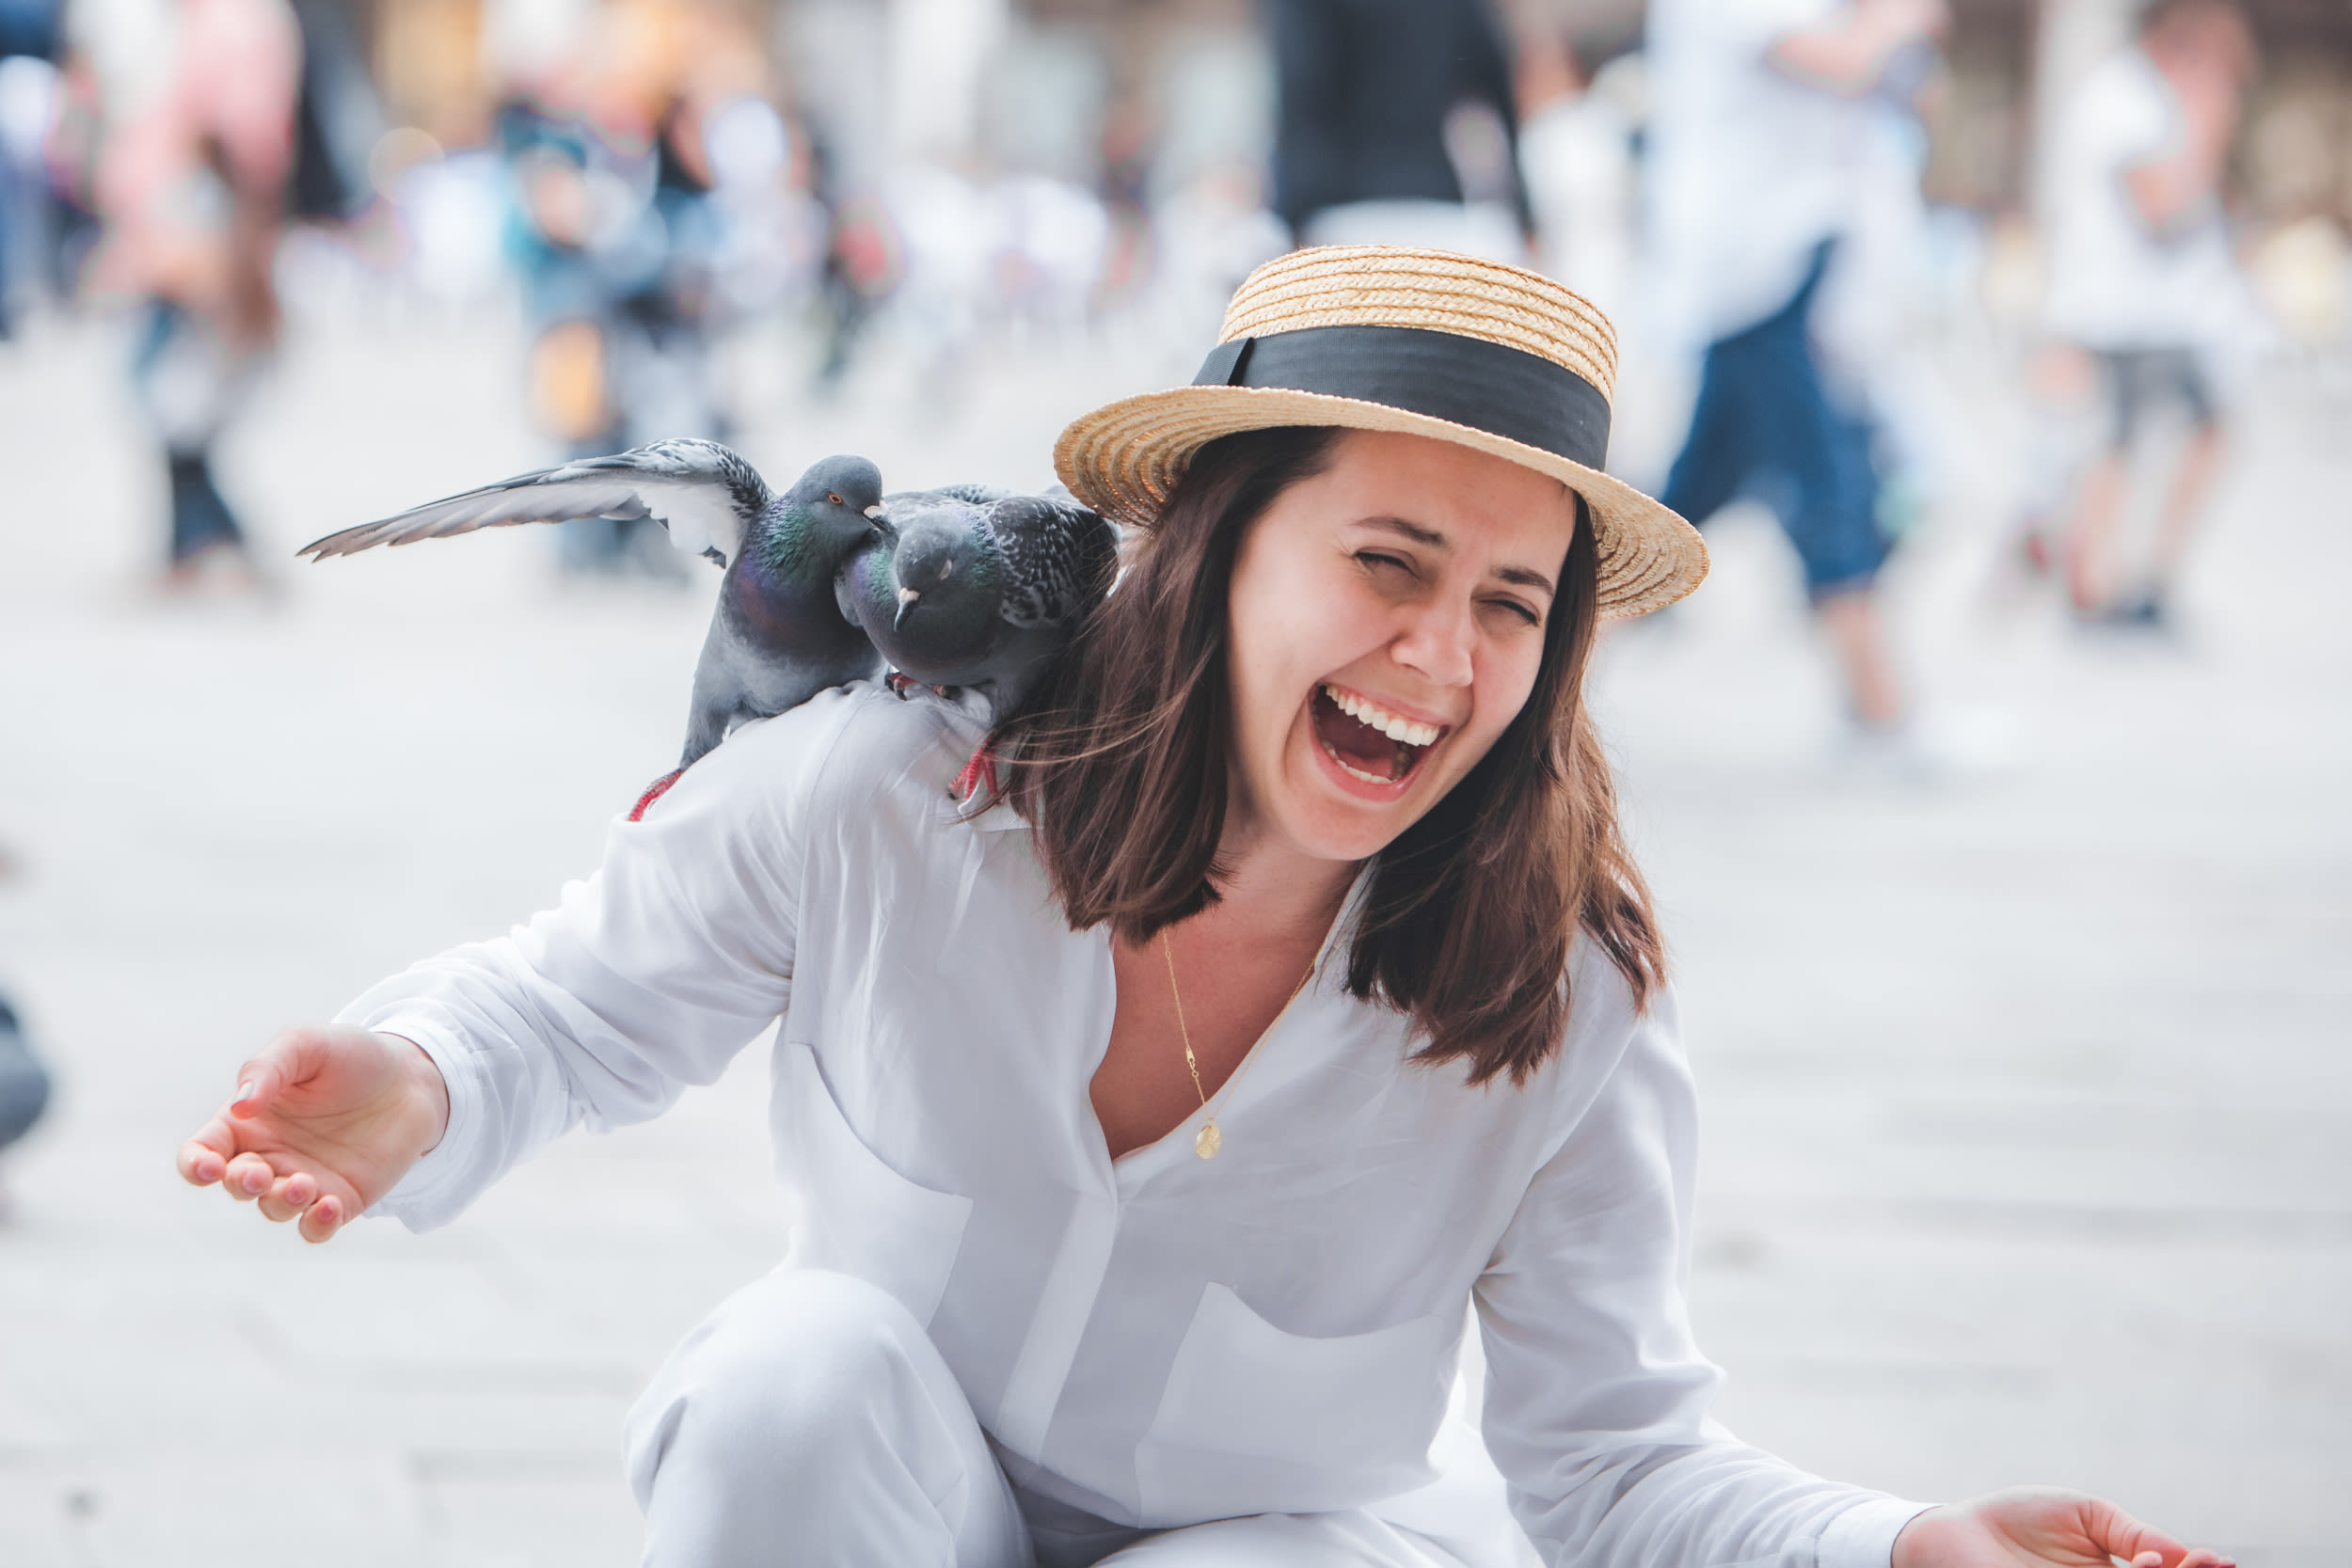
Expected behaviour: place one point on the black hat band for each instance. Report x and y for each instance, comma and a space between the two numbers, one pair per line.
1505, 391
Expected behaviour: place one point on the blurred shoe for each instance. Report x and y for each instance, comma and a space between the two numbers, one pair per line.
218, 571
2144, 612
1949, 747
2149, 613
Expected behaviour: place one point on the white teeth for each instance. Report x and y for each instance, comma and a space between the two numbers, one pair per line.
1395, 726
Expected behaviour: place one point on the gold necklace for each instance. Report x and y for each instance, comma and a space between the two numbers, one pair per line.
1207, 1142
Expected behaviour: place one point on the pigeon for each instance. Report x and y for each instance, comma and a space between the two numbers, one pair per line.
781, 632
978, 589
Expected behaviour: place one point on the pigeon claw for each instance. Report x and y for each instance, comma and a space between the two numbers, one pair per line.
655, 791
900, 684
979, 773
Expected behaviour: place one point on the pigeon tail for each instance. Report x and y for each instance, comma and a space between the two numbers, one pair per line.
655, 791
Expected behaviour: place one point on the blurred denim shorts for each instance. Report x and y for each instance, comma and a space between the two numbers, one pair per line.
1765, 429
2140, 379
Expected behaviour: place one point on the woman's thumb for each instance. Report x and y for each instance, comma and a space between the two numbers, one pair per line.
261, 1079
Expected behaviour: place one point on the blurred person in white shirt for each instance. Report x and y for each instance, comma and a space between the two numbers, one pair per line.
1764, 122
2143, 278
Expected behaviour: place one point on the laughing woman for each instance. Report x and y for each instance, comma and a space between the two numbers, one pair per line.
1286, 1022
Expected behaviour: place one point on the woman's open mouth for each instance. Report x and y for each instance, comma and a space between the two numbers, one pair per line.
1369, 743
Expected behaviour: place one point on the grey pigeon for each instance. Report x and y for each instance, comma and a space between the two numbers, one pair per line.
779, 635
978, 588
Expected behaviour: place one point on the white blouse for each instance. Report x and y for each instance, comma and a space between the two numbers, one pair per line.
1158, 1339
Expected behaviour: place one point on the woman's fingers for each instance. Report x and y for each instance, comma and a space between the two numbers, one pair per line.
289, 1196
204, 1158
2143, 1545
248, 1176
322, 1219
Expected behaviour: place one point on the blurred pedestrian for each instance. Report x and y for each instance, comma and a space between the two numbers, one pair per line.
619, 240
24, 1087
1763, 124
192, 188
2141, 277
28, 45
1396, 126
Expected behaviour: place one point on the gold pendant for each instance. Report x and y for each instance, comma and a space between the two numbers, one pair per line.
1207, 1142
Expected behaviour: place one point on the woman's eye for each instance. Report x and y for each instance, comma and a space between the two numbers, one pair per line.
1526, 612
1380, 558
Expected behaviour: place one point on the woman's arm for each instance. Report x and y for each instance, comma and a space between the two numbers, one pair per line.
646, 977
1597, 1395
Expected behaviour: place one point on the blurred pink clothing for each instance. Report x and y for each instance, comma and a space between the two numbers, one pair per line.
165, 192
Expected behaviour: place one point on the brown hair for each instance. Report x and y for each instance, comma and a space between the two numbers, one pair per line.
1117, 759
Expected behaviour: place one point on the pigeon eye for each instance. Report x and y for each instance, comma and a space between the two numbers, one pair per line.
833, 497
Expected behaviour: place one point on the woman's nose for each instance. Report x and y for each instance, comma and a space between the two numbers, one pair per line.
1439, 643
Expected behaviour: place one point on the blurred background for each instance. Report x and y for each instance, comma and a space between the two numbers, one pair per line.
1993, 785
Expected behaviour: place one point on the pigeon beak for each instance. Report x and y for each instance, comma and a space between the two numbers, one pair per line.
906, 607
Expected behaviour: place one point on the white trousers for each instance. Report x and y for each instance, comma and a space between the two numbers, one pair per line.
810, 1420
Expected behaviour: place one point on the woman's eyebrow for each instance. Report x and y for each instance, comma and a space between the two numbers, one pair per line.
1429, 538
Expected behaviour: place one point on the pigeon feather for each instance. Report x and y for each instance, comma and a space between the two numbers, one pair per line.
707, 496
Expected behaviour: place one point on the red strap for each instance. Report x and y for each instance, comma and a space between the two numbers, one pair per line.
655, 791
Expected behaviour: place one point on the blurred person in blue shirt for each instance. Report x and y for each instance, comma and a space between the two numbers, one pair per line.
2141, 274
616, 245
1762, 124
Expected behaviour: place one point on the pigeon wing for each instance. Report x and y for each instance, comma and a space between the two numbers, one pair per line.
1058, 558
706, 495
973, 495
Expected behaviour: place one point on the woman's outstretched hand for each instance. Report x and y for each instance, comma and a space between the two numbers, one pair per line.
324, 1121
2032, 1526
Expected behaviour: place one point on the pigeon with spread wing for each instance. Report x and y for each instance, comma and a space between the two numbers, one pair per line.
779, 634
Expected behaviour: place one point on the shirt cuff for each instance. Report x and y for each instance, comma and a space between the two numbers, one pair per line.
1864, 1535
430, 1194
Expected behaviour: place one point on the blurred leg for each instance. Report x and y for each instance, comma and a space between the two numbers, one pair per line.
1717, 453
1858, 634
2090, 536
200, 519
2185, 504
810, 1420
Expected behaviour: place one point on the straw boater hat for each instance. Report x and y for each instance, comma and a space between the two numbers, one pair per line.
1423, 341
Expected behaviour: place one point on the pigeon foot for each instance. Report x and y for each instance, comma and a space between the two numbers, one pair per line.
655, 791
978, 773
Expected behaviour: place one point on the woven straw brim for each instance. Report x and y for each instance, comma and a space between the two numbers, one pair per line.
1124, 459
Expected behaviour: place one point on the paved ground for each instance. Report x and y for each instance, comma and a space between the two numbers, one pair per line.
2027, 1099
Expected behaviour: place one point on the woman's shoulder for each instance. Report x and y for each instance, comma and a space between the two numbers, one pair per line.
1609, 1023
857, 744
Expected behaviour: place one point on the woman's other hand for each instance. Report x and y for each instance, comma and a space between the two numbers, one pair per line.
324, 1121
2033, 1526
